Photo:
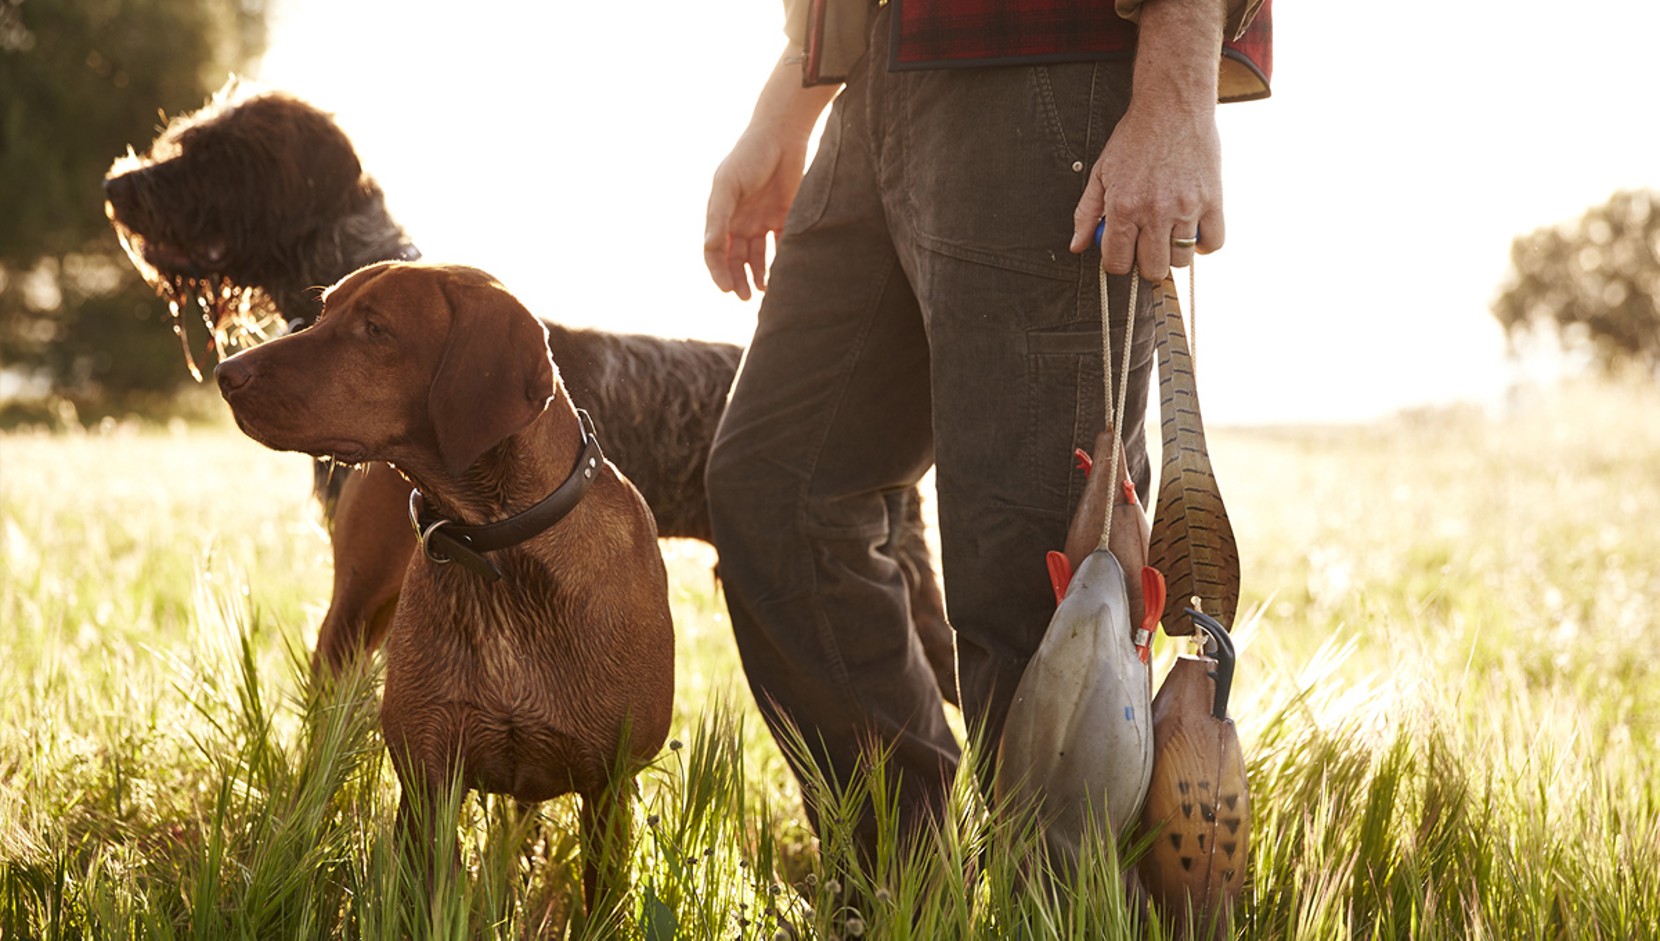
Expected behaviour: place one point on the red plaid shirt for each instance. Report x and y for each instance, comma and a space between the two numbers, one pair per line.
933, 34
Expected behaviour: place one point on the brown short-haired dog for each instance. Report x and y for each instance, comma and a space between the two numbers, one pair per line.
540, 659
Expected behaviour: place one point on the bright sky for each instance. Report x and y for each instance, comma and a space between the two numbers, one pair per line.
567, 148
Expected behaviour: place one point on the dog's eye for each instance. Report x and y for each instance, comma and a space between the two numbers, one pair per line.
374, 330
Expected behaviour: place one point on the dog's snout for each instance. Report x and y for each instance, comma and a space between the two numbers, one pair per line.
118, 189
232, 374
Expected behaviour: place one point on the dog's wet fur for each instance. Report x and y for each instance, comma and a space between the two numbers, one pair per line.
531, 685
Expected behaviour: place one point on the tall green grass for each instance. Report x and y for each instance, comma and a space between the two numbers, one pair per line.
1446, 698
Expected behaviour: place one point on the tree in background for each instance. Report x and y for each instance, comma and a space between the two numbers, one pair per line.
80, 81
1595, 283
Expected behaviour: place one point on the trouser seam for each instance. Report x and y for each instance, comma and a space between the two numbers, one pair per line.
821, 621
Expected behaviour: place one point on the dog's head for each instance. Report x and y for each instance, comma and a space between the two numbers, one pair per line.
226, 198
421, 365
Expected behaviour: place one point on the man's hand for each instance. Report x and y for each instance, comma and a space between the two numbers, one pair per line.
754, 186
1159, 178
750, 198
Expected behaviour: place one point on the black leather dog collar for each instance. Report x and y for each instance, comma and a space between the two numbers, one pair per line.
446, 541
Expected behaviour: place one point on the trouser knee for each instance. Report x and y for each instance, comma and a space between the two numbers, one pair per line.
749, 497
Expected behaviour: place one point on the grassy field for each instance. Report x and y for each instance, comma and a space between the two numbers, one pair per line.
1446, 696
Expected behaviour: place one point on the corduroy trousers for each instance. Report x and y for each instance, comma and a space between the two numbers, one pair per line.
923, 309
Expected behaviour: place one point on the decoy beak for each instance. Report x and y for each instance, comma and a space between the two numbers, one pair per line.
1219, 647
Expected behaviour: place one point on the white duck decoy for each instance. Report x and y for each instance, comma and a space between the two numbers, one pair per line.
1077, 742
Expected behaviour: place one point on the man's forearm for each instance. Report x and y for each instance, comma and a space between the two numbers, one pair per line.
1177, 56
784, 105
1158, 181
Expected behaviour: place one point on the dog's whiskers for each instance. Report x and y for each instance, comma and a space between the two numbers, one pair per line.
184, 339
207, 300
228, 312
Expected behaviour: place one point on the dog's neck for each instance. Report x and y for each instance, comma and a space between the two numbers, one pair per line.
512, 476
364, 236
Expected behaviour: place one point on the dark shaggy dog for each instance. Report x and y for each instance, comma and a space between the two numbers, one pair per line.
259, 201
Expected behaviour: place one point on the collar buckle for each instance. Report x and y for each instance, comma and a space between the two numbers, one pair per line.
444, 541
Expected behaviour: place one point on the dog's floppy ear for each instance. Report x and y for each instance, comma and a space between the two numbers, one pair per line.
496, 375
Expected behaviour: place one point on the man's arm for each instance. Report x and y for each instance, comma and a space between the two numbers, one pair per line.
1160, 175
756, 183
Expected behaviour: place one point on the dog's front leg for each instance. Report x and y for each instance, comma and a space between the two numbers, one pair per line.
425, 831
372, 545
607, 834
